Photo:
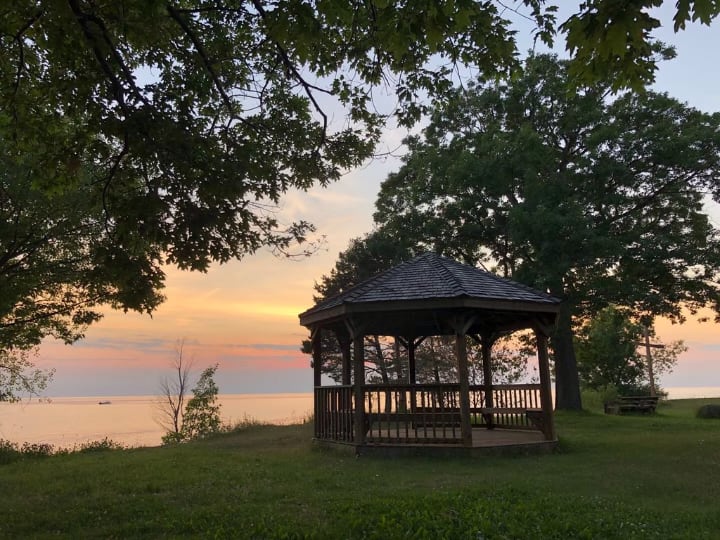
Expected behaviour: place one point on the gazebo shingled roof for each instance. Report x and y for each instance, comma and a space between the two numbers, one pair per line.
426, 284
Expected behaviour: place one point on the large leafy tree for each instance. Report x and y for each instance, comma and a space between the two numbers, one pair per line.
596, 200
181, 124
144, 132
59, 262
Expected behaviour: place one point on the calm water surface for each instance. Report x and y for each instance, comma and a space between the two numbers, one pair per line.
132, 420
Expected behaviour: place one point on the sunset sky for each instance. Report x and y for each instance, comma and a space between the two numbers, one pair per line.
244, 315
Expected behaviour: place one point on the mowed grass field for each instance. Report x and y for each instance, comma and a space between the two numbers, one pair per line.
623, 477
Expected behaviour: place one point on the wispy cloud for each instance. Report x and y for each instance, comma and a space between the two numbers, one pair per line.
268, 363
145, 344
270, 346
703, 346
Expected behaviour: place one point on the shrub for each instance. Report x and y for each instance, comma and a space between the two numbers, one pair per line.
9, 451
245, 423
99, 446
201, 417
37, 449
172, 437
596, 399
709, 411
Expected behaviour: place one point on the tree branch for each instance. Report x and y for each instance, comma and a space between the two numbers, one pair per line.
83, 19
292, 69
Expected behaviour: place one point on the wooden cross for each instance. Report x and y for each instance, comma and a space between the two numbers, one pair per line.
648, 357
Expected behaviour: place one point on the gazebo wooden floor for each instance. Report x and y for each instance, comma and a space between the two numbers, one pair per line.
483, 437
485, 442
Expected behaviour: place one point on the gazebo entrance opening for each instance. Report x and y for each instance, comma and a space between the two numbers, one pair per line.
432, 296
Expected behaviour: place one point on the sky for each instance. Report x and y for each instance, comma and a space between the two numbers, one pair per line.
244, 315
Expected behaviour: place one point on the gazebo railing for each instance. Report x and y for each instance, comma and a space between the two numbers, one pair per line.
413, 414
334, 407
422, 413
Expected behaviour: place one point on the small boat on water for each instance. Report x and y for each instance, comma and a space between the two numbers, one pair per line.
104, 402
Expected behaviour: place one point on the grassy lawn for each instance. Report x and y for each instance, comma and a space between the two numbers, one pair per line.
613, 477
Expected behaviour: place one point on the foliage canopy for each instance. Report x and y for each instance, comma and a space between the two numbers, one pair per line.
148, 132
156, 132
597, 201
610, 353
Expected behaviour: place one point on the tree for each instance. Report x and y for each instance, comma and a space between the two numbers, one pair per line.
171, 406
666, 358
607, 351
59, 263
611, 43
19, 377
188, 419
598, 201
182, 124
202, 413
177, 127
611, 353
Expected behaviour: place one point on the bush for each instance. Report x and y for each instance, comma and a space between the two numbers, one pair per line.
709, 411
596, 399
245, 423
9, 451
99, 446
37, 449
202, 414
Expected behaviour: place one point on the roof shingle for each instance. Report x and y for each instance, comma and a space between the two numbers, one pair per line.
431, 276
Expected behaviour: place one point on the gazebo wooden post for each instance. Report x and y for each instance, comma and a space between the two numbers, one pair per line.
319, 412
345, 342
486, 344
359, 365
317, 356
463, 375
345, 346
412, 376
545, 385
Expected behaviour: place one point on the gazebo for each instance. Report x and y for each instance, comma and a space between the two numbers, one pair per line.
432, 295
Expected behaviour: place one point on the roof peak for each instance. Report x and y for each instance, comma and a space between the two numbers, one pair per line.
431, 276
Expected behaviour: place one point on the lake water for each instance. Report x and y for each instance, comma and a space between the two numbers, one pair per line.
131, 420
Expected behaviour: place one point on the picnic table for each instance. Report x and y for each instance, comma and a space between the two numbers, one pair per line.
625, 404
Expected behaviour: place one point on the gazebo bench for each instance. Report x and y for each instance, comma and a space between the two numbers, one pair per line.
534, 416
419, 418
428, 416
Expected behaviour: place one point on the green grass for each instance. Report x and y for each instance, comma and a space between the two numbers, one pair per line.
618, 477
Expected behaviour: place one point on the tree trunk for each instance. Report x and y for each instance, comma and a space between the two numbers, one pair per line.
567, 382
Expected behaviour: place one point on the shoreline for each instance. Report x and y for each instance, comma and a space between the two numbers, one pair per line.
132, 421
